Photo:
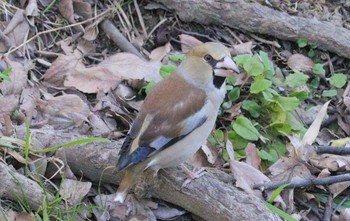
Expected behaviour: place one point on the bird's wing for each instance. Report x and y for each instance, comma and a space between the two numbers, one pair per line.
162, 122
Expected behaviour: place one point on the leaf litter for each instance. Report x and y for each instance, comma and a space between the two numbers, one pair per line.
82, 84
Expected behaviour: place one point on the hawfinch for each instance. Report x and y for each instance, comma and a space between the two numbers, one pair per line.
178, 115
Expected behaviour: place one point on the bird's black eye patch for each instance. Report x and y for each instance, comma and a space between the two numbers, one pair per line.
208, 58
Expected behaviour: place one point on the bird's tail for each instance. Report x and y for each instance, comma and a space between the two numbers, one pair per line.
126, 184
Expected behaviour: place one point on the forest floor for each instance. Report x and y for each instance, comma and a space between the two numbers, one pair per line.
73, 75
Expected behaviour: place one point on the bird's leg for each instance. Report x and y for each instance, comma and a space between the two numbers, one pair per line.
191, 175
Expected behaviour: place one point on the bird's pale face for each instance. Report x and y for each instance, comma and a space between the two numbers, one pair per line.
207, 65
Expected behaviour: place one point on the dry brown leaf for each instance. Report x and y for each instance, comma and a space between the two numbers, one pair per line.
331, 162
253, 158
314, 129
32, 8
8, 104
338, 188
74, 191
289, 169
159, 53
244, 48
86, 46
167, 213
28, 100
82, 9
188, 42
211, 153
299, 62
11, 215
64, 65
344, 214
66, 9
109, 73
18, 76
64, 111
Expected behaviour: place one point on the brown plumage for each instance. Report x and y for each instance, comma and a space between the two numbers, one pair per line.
178, 115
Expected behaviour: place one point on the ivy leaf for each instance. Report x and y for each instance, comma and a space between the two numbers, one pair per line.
234, 94
252, 107
253, 66
176, 57
167, 70
244, 128
319, 70
296, 80
329, 93
260, 85
302, 42
301, 95
338, 80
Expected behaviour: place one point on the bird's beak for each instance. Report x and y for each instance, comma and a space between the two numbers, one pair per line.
226, 67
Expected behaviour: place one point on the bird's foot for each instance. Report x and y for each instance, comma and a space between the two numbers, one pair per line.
155, 173
191, 175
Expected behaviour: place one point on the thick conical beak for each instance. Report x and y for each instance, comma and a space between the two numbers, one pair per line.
226, 67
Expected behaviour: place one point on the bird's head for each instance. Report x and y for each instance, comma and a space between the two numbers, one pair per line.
207, 65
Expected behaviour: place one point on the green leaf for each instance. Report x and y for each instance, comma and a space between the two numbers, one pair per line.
241, 59
252, 107
167, 70
176, 57
253, 66
277, 192
311, 53
269, 70
237, 141
315, 83
270, 156
296, 80
329, 93
288, 103
319, 70
302, 42
301, 95
294, 122
5, 73
338, 80
149, 86
282, 128
244, 128
278, 114
231, 80
234, 94
260, 85
279, 212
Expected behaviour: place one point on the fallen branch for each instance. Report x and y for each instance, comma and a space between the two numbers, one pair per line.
333, 150
15, 186
211, 197
253, 17
118, 38
328, 210
299, 183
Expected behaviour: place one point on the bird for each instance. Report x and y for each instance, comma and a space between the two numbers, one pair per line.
177, 116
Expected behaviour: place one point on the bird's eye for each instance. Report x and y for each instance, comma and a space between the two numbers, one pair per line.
208, 58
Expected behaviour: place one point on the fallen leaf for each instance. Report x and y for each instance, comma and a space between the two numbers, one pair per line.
18, 76
331, 162
314, 129
244, 48
11, 215
64, 111
28, 100
344, 214
74, 191
188, 42
32, 8
167, 213
66, 9
299, 62
159, 53
109, 73
253, 158
8, 104
338, 188
211, 153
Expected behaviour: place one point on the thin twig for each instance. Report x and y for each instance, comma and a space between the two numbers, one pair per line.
139, 15
328, 210
56, 29
333, 150
304, 182
273, 43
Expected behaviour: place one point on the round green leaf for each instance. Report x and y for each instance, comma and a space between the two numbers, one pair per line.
338, 80
253, 66
260, 85
296, 80
234, 94
318, 70
329, 93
